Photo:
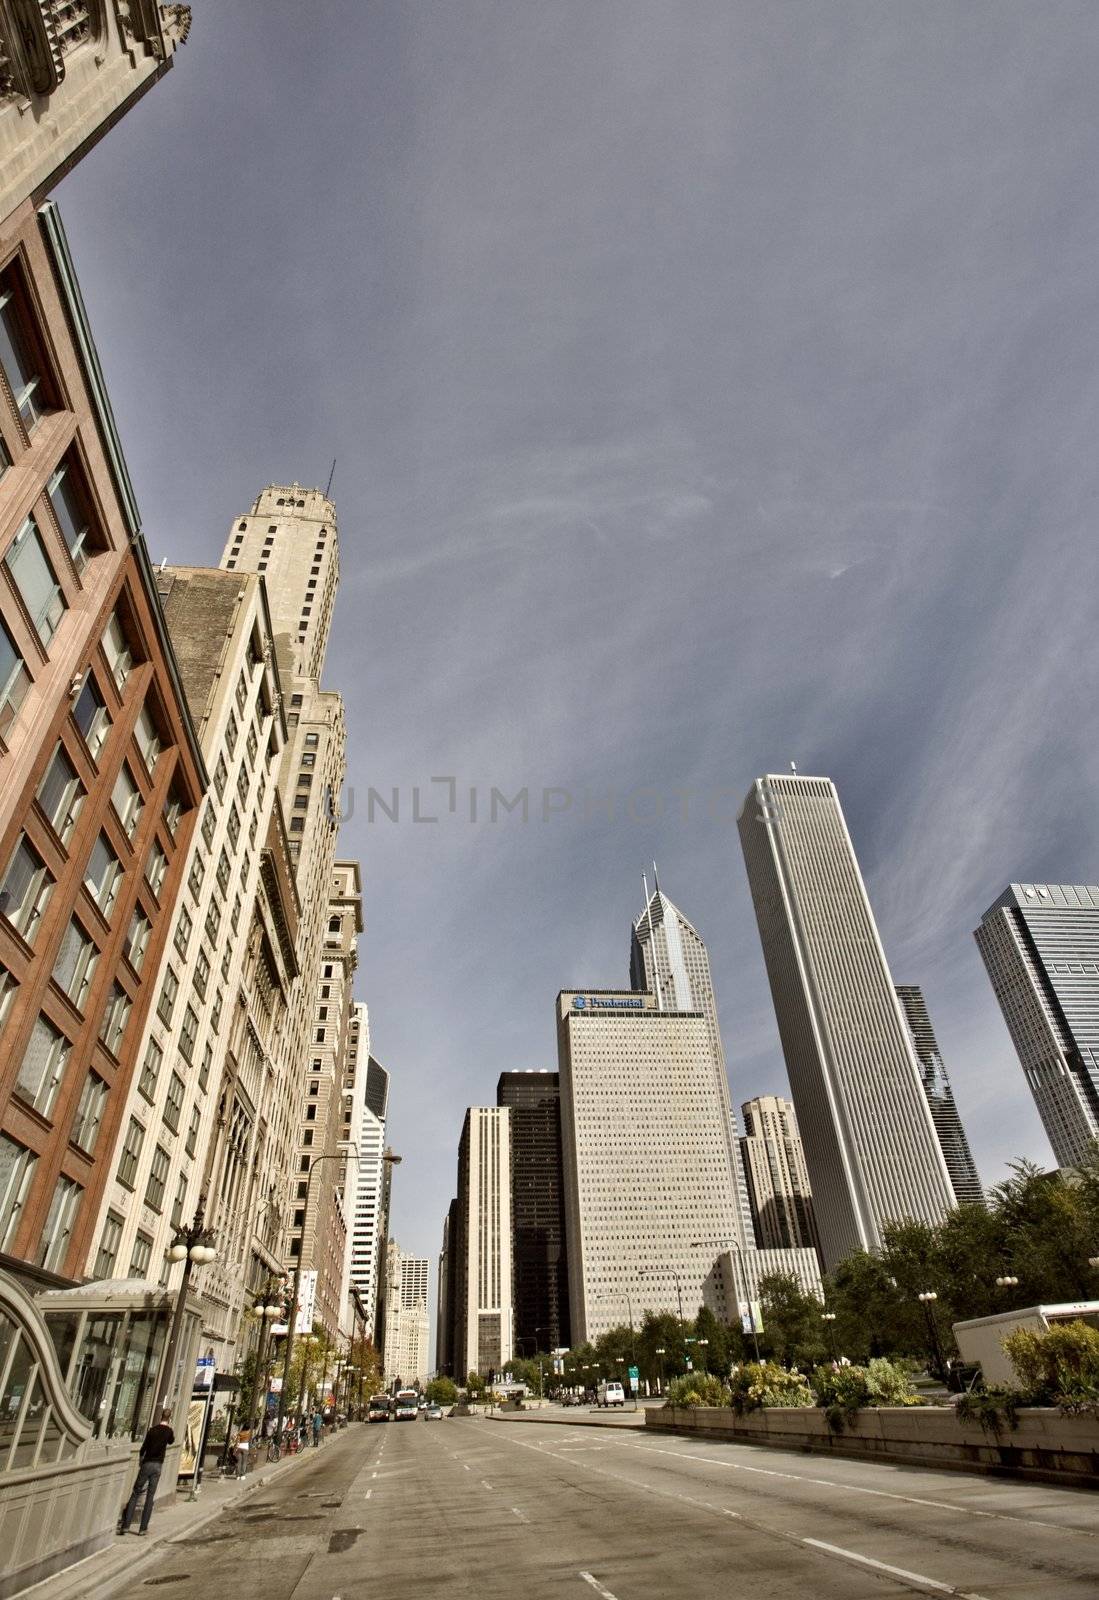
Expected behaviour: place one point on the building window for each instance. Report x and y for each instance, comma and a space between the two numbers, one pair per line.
131, 1153
25, 890
89, 1113
91, 717
108, 1246
242, 692
148, 739
307, 1137
231, 732
213, 923
150, 1070
126, 799
156, 868
43, 1066
202, 972
36, 581
103, 875
158, 1179
60, 794
169, 989
173, 810
234, 915
252, 746
14, 680
297, 824
116, 1014
191, 1143
233, 826
173, 1102
184, 926
196, 874
117, 650
16, 1167
75, 965
209, 824
139, 1261
188, 1034
68, 507
215, 1012
242, 786
207, 1063
54, 1243
137, 939
310, 1113
8, 987
18, 360
224, 873
179, 1202
305, 780
334, 924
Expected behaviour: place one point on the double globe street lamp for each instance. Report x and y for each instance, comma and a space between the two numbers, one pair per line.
194, 1246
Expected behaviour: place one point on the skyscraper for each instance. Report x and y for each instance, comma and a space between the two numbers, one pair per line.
539, 1257
1040, 944
407, 1333
964, 1179
869, 1139
669, 959
778, 1179
367, 1244
480, 1289
291, 537
651, 1210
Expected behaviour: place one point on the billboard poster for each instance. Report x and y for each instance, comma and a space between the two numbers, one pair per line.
307, 1303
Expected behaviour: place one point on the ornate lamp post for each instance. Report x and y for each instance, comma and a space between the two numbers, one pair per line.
829, 1318
267, 1308
194, 1246
927, 1299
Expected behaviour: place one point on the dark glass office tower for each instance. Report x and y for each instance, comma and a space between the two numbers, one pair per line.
940, 1097
540, 1278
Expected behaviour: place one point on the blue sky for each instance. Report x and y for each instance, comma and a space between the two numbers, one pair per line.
712, 385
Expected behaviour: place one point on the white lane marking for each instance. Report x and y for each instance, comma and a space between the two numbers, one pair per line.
466, 1467
369, 1492
896, 1572
485, 1484
374, 1474
598, 1587
854, 1488
520, 1514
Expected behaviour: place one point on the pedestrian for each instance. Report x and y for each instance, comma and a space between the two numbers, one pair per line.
244, 1445
318, 1424
150, 1465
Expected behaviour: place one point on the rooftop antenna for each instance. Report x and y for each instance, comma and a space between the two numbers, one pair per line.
656, 880
331, 475
793, 767
652, 943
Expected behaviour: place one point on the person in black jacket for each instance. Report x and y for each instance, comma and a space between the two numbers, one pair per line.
150, 1465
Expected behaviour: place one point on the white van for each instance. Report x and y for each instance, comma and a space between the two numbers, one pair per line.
610, 1394
980, 1340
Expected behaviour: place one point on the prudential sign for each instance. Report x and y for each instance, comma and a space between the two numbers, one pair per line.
596, 1002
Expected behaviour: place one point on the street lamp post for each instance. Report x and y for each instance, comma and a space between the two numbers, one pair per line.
829, 1317
927, 1299
661, 1352
267, 1309
194, 1247
650, 1272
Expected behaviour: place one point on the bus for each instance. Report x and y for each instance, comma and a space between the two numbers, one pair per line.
406, 1405
379, 1408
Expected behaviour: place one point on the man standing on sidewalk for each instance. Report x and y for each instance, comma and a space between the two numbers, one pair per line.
150, 1466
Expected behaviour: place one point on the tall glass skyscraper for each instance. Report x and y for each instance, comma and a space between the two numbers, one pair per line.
869, 1140
669, 960
540, 1273
940, 1098
1040, 944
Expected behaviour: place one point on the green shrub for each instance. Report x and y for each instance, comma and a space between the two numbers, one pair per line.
696, 1389
890, 1383
844, 1387
765, 1383
993, 1409
1059, 1367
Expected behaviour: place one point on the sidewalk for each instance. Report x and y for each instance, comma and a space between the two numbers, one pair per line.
98, 1576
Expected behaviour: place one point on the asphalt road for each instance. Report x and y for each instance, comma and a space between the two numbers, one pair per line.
524, 1511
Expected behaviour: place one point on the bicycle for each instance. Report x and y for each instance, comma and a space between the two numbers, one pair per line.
274, 1449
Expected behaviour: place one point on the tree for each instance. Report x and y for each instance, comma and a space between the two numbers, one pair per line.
442, 1392
475, 1384
792, 1329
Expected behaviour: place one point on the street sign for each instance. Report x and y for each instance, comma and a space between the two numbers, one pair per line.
634, 1376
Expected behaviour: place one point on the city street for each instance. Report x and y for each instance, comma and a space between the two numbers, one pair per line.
528, 1508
